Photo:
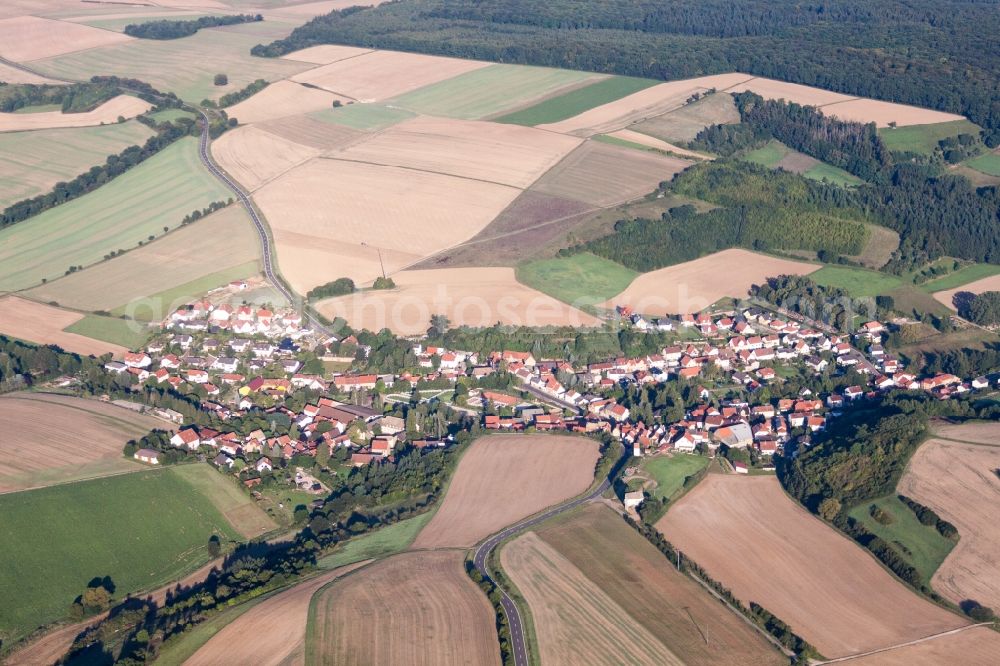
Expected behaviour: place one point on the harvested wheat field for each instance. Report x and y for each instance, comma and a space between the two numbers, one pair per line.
382, 74
31, 38
947, 297
413, 608
827, 588
694, 285
503, 154
254, 156
975, 646
960, 482
324, 54
883, 113
148, 282
475, 297
35, 450
272, 632
504, 478
633, 588
44, 324
575, 621
602, 174
308, 131
279, 100
10, 74
972, 432
338, 205
790, 92
653, 142
310, 9
685, 123
641, 105
121, 106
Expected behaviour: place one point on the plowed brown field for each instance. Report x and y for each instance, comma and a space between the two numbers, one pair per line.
503, 478
37, 450
419, 609
752, 537
960, 482
44, 325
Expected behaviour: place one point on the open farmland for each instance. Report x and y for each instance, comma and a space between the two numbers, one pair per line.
324, 54
10, 74
577, 101
923, 139
575, 620
859, 282
139, 203
384, 541
584, 278
31, 38
961, 277
475, 297
279, 100
273, 632
790, 92
236, 506
947, 297
831, 592
646, 141
124, 106
976, 646
154, 527
491, 90
617, 570
225, 240
33, 162
45, 324
183, 66
34, 450
254, 156
504, 478
331, 207
492, 152
988, 164
310, 130
363, 116
602, 174
959, 481
776, 155
438, 617
380, 75
684, 123
973, 432
694, 285
642, 105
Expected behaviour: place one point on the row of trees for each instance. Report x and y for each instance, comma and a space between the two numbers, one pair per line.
170, 29
74, 98
235, 97
982, 309
339, 287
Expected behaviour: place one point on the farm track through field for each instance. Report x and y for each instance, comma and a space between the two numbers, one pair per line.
486, 548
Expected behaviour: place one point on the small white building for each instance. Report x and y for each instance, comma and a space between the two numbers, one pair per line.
633, 499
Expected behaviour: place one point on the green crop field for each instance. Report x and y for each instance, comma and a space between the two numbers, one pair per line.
385, 541
988, 164
670, 473
577, 101
924, 139
920, 545
139, 203
835, 175
489, 90
367, 117
31, 163
859, 282
143, 530
168, 115
239, 509
184, 66
775, 154
109, 329
581, 279
962, 276
768, 155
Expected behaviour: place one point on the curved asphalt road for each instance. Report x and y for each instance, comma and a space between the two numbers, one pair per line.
244, 198
483, 552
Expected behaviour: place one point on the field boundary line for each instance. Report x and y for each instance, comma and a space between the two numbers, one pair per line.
889, 648
410, 168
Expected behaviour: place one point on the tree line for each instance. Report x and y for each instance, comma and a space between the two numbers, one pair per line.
901, 52
73, 98
170, 29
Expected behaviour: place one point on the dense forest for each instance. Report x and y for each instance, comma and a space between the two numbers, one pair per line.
170, 29
938, 54
982, 309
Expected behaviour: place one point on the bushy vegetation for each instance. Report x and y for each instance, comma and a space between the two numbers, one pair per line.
802, 295
170, 29
493, 593
899, 52
927, 516
982, 309
339, 287
73, 98
229, 99
383, 283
